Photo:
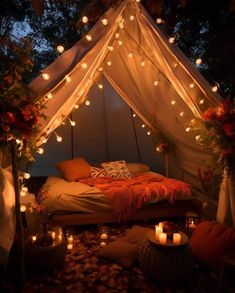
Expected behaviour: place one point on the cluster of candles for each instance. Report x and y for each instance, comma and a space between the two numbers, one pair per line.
70, 242
54, 234
103, 237
161, 237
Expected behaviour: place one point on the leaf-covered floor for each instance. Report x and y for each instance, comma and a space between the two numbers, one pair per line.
84, 272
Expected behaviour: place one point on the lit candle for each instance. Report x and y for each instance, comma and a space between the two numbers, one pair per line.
60, 236
163, 238
161, 224
103, 244
53, 234
104, 236
70, 239
191, 224
176, 238
158, 231
34, 238
70, 246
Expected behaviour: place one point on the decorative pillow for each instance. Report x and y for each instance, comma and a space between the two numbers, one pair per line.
116, 169
75, 169
98, 172
136, 234
136, 168
210, 241
121, 252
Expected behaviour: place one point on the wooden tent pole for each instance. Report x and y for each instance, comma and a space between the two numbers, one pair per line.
20, 264
167, 164
135, 134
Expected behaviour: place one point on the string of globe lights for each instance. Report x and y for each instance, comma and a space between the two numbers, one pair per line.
67, 79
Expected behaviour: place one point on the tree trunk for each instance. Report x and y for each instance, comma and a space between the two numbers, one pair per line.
20, 266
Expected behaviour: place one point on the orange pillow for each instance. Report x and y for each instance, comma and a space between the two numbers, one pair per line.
210, 241
75, 169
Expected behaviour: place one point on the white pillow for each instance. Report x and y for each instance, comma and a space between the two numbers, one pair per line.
116, 169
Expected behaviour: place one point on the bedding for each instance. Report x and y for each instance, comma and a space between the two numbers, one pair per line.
87, 197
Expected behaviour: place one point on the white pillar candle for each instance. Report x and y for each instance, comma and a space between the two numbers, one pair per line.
161, 224
70, 246
158, 231
104, 236
53, 234
176, 238
163, 238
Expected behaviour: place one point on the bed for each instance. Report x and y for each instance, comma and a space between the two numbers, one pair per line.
86, 202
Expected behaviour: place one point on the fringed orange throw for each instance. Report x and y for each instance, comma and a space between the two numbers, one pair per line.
127, 195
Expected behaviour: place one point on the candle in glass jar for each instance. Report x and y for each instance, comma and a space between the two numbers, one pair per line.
163, 238
176, 238
104, 236
158, 231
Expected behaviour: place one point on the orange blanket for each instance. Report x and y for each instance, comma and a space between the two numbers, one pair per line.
127, 195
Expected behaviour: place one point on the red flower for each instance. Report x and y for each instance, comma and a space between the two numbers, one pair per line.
229, 128
210, 114
9, 117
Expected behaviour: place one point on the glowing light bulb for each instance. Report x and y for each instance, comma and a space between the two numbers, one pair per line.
201, 101
24, 188
214, 88
49, 96
121, 25
148, 133
198, 61
197, 137
175, 65
117, 35
132, 17
156, 82
157, 149
76, 106
23, 208
85, 19
181, 114
72, 123
159, 21
59, 138
60, 49
68, 79
173, 102
187, 129
100, 86
89, 38
143, 125
40, 151
100, 69
110, 48
104, 21
43, 139
143, 63
134, 115
84, 65
109, 63
45, 76
26, 175
22, 193
191, 85
119, 42
130, 55
18, 141
87, 103
171, 40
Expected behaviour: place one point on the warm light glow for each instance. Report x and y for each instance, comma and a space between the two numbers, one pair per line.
198, 61
134, 115
100, 86
104, 21
24, 188
187, 129
197, 137
85, 19
158, 231
171, 40
158, 149
18, 141
84, 65
76, 106
70, 246
159, 21
137, 0
191, 85
49, 96
163, 238
26, 175
59, 138
109, 63
60, 49
201, 101
40, 151
143, 63
173, 102
53, 235
130, 55
214, 88
176, 238
143, 125
148, 133
175, 64
110, 48
100, 69
89, 38
119, 42
23, 208
117, 35
156, 82
87, 103
132, 17
181, 113
72, 123
43, 139
22, 193
68, 78
121, 25
45, 76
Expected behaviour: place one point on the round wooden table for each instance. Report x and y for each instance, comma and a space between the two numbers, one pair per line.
166, 263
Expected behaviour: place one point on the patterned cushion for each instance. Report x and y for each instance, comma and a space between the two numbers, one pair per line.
116, 169
98, 172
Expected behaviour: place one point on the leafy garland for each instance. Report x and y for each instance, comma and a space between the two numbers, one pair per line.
19, 110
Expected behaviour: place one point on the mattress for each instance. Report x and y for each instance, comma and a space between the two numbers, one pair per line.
58, 195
